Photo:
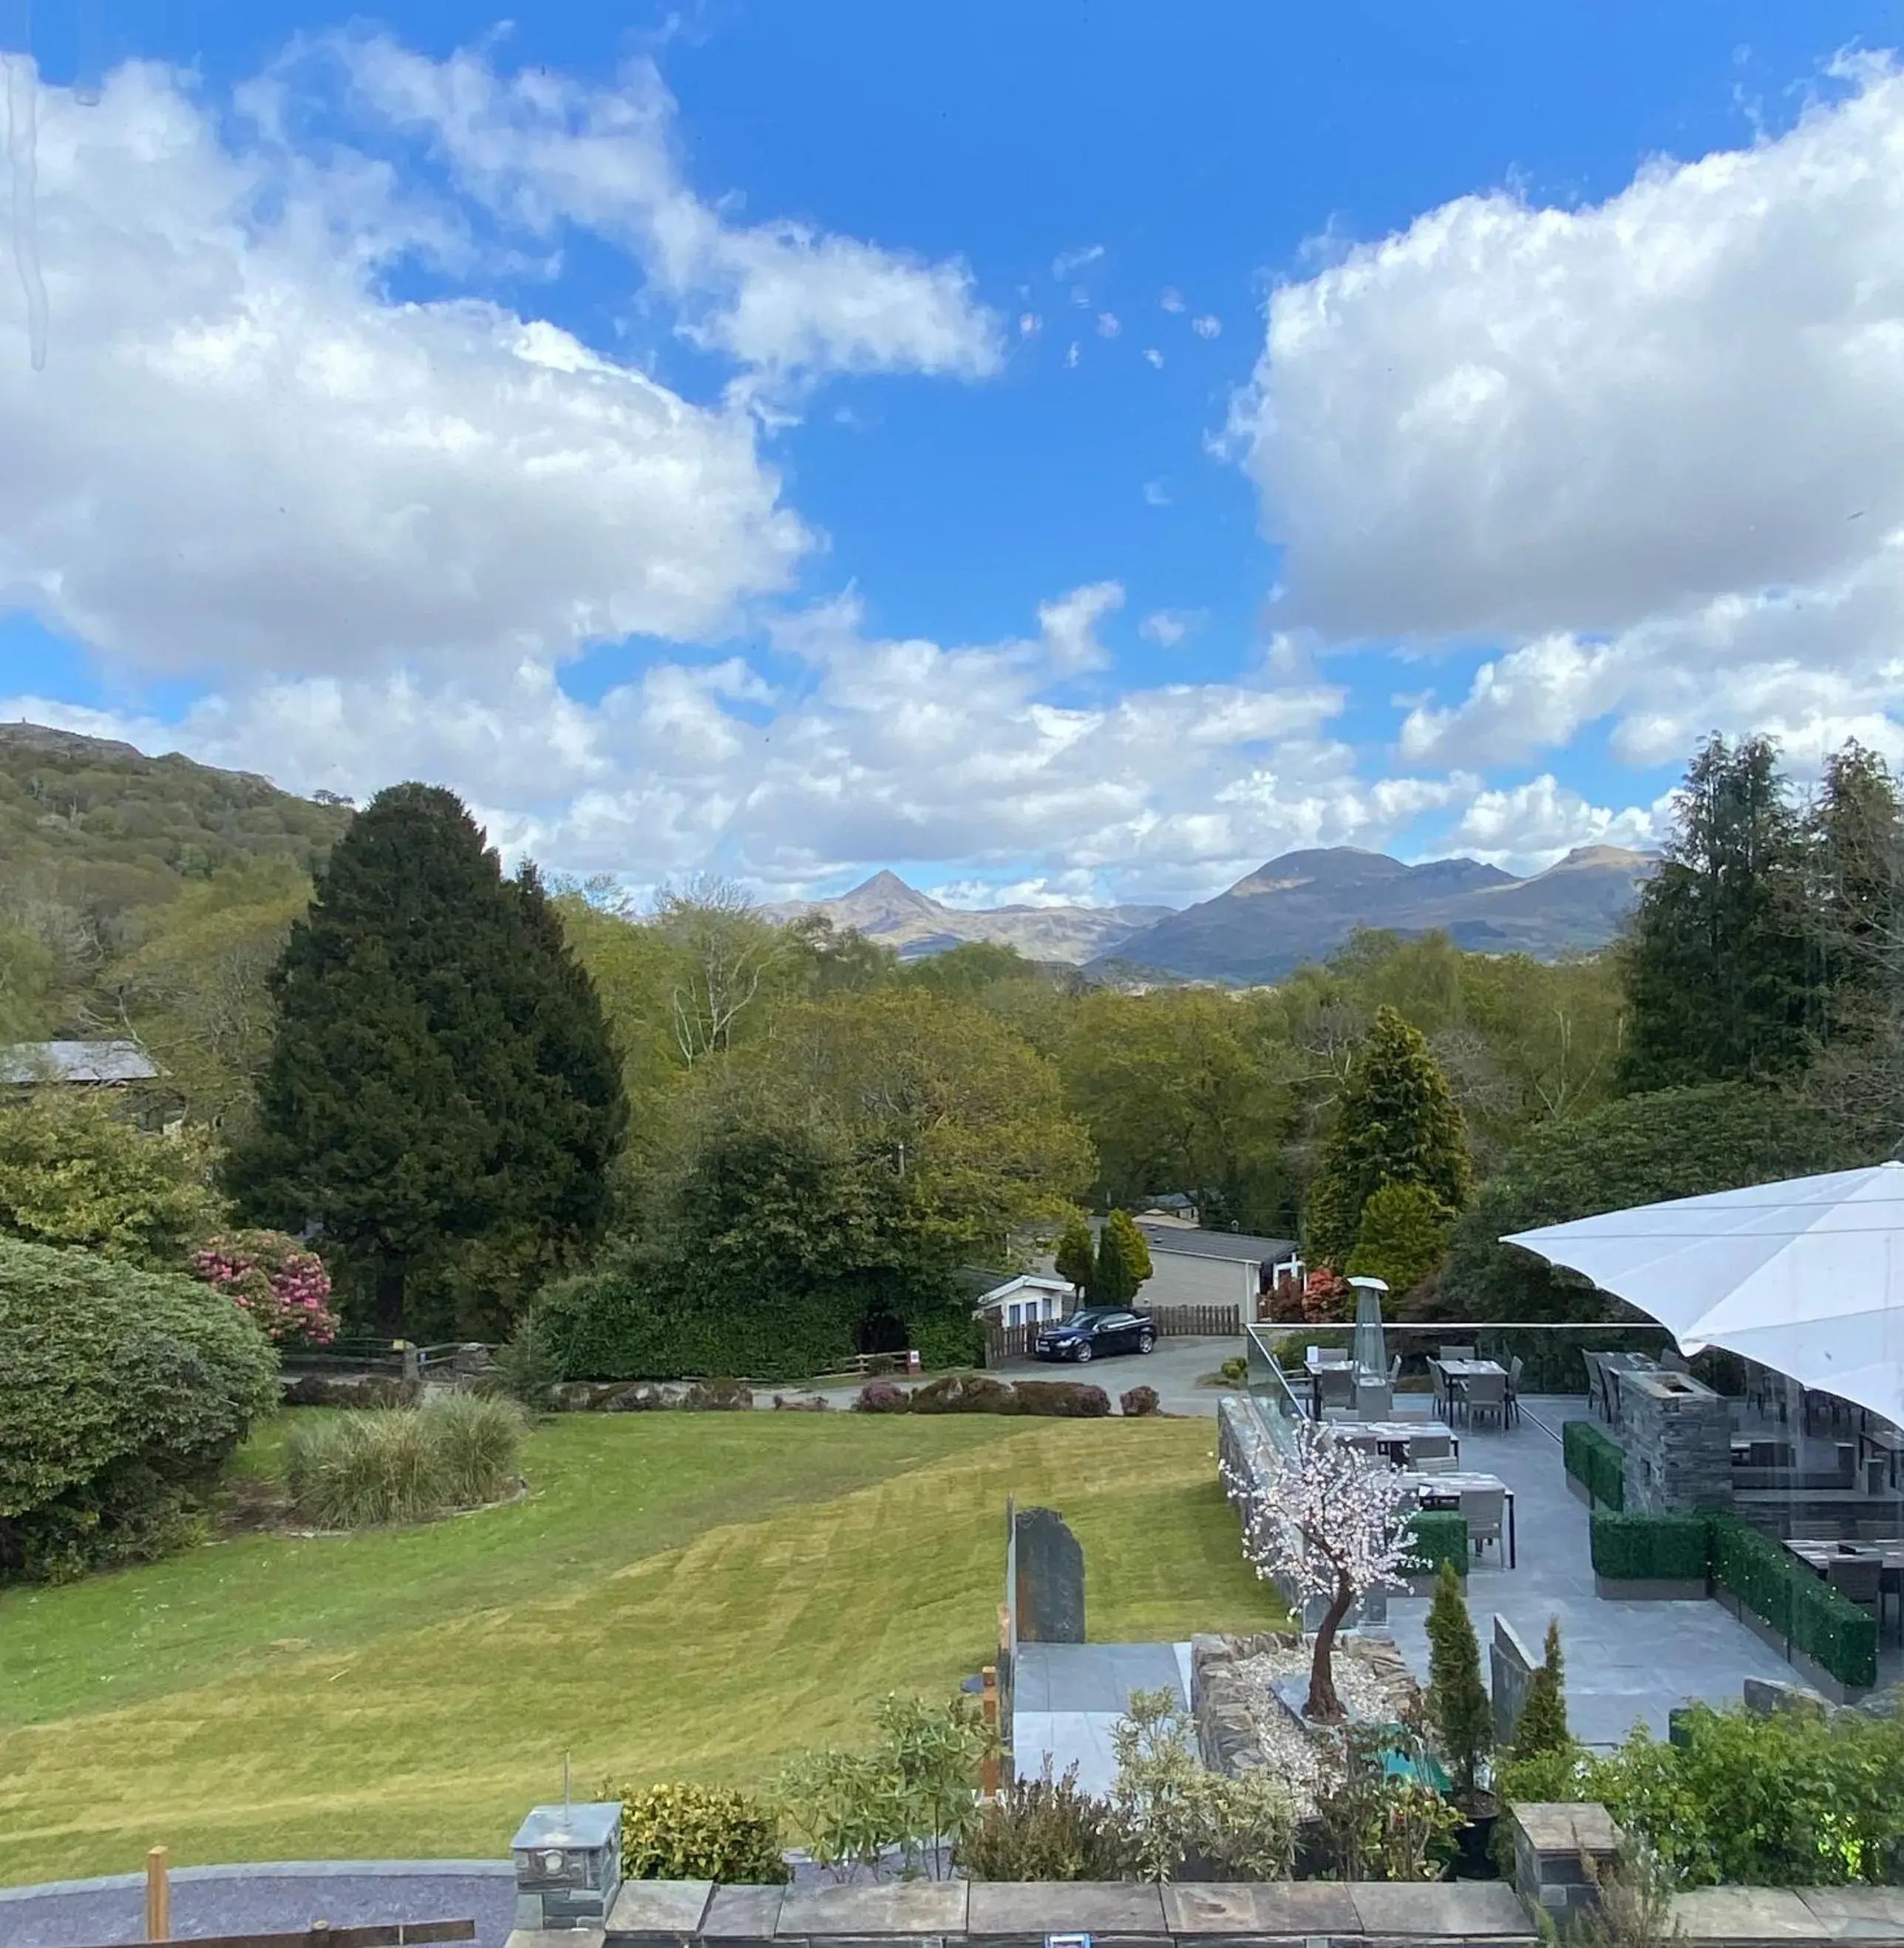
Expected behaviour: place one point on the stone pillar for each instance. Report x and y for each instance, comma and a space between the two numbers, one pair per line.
1511, 1669
1676, 1437
1559, 1854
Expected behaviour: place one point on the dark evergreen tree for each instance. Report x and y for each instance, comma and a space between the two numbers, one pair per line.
1542, 1726
1075, 1257
1114, 1280
442, 1098
1718, 983
1854, 894
1457, 1700
1397, 1123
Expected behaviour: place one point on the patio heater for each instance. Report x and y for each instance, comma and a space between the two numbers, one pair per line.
1372, 1350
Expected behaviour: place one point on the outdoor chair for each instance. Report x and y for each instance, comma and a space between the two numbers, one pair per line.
1457, 1352
1395, 1371
1335, 1386
1484, 1509
1375, 1400
1485, 1396
1860, 1580
1432, 1464
1877, 1531
1431, 1447
1516, 1367
1813, 1528
1596, 1383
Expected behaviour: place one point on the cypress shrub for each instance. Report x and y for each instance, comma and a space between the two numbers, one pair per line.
1457, 1700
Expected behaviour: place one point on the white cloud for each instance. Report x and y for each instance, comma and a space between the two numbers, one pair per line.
542, 150
1153, 357
1072, 354
1530, 827
1028, 322
1208, 326
1107, 324
241, 454
1067, 263
1649, 445
1171, 298
1157, 493
1167, 628
882, 749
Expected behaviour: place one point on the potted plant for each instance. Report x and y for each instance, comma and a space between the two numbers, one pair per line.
1463, 1719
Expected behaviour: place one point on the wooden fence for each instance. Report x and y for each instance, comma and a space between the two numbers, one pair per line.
1172, 1321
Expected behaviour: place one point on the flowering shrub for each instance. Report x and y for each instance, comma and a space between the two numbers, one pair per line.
1327, 1295
283, 1286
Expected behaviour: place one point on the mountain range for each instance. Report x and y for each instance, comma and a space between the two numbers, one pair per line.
1301, 907
885, 909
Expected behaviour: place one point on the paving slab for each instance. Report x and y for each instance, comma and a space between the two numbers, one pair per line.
740, 1915
1457, 1910
1019, 1914
1742, 1916
649, 1912
869, 1913
1212, 1914
555, 1937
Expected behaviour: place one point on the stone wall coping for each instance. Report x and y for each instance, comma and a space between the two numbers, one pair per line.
1009, 1914
1763, 1917
1561, 1828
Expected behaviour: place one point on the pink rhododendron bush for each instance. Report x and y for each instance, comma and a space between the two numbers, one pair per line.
280, 1282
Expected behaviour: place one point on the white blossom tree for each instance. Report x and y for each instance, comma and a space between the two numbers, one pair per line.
1330, 1524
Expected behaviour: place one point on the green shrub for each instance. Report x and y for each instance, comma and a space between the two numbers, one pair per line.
964, 1393
1438, 1536
402, 1464
1069, 1400
676, 1832
1043, 1829
527, 1366
122, 1392
1458, 1701
1542, 1727
1595, 1460
1650, 1548
1794, 1800
1235, 1371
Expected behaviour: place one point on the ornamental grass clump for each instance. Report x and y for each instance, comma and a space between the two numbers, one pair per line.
403, 1464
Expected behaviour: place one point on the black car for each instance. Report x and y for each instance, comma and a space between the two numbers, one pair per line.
1085, 1335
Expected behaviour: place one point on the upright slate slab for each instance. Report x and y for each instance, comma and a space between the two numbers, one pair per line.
1019, 1914
1050, 1595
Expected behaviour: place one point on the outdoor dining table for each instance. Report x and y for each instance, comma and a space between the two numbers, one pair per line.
1392, 1438
1455, 1372
1443, 1491
1819, 1554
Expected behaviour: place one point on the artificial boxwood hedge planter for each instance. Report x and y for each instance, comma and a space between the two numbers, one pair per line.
1797, 1609
1595, 1460
1436, 1536
1650, 1555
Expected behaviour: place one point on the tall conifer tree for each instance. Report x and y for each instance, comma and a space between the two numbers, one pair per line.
1397, 1123
442, 1098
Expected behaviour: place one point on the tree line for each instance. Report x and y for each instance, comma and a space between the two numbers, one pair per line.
687, 1137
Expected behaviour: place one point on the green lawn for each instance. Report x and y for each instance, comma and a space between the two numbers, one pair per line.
692, 1595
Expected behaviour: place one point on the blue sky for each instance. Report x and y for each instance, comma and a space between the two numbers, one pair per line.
1069, 451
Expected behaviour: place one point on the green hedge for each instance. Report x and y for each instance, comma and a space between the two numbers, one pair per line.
122, 1394
1595, 1459
1436, 1536
1650, 1548
1797, 1602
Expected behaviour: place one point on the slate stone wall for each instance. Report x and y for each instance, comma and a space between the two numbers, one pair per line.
1676, 1437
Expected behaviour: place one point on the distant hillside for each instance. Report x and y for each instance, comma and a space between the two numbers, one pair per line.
885, 909
101, 826
1304, 905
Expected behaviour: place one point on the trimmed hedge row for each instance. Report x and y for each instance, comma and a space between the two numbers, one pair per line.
1651, 1549
1595, 1460
1436, 1536
1796, 1604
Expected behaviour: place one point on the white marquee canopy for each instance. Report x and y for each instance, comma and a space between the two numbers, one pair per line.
1805, 1276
